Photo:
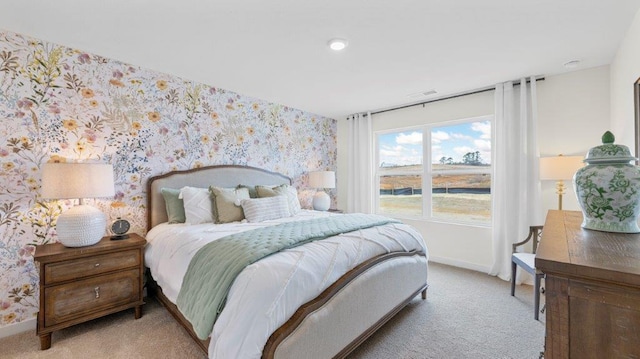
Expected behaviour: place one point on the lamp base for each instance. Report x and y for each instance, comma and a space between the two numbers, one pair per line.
321, 201
81, 226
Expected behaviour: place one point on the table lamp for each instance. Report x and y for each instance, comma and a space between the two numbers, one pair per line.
559, 168
81, 225
322, 180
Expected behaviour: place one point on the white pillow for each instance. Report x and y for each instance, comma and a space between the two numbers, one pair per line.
291, 193
262, 209
294, 202
197, 205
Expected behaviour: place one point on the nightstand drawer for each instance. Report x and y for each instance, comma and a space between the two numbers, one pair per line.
84, 267
74, 300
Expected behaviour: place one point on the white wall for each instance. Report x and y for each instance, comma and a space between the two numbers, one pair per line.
625, 70
573, 112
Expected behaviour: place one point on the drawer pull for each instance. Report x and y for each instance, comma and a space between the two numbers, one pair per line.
97, 290
97, 265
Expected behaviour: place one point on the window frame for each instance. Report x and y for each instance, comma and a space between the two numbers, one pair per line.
427, 174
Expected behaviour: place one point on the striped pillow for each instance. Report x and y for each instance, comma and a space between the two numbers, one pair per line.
283, 190
262, 209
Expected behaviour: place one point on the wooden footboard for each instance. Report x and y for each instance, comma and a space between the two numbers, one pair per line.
154, 290
293, 324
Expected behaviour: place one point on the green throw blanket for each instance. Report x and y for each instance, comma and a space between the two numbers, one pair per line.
215, 266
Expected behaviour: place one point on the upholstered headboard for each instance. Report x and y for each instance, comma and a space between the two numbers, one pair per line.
221, 176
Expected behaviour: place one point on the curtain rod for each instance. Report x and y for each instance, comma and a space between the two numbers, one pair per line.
473, 92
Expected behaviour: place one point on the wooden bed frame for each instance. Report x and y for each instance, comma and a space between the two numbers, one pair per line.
317, 317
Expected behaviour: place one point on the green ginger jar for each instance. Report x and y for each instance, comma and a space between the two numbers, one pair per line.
608, 188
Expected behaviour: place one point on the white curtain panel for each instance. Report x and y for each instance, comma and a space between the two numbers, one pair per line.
516, 195
360, 174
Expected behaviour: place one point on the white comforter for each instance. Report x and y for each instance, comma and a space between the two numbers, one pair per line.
267, 293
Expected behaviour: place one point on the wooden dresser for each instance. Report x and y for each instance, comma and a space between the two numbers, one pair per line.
84, 283
592, 290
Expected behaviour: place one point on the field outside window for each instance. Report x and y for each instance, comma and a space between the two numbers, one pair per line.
401, 195
457, 181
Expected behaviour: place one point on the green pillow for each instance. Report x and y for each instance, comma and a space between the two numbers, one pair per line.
226, 203
174, 205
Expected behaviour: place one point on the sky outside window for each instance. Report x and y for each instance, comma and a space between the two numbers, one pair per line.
400, 148
454, 141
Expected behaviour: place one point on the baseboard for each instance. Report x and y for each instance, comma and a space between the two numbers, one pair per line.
17, 328
460, 264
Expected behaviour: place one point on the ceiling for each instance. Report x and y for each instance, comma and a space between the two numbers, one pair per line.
277, 50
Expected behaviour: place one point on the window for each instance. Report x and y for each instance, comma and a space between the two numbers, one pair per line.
400, 173
454, 186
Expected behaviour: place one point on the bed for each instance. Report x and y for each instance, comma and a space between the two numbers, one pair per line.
353, 295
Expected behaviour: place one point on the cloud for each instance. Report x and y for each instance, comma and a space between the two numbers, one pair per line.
460, 136
483, 145
463, 150
484, 128
414, 138
400, 155
392, 151
439, 136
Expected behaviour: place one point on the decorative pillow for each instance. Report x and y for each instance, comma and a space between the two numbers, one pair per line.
252, 190
262, 209
226, 203
283, 190
197, 205
174, 205
294, 202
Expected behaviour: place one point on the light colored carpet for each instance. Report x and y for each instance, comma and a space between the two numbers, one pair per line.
466, 315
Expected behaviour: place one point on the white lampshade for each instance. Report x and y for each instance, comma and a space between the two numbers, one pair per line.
82, 225
558, 168
77, 180
322, 179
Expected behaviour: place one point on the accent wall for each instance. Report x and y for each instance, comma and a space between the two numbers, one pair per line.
62, 104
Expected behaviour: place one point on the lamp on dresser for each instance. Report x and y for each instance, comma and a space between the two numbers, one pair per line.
82, 225
559, 168
322, 180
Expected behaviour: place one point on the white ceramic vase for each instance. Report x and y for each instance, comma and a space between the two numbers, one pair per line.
608, 188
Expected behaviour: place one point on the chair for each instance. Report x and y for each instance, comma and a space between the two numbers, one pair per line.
527, 262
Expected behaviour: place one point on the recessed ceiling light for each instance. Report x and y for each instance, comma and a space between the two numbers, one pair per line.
571, 64
337, 44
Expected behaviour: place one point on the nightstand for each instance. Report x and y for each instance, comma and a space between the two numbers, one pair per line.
84, 283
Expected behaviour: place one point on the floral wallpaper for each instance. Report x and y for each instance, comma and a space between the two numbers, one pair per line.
61, 104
